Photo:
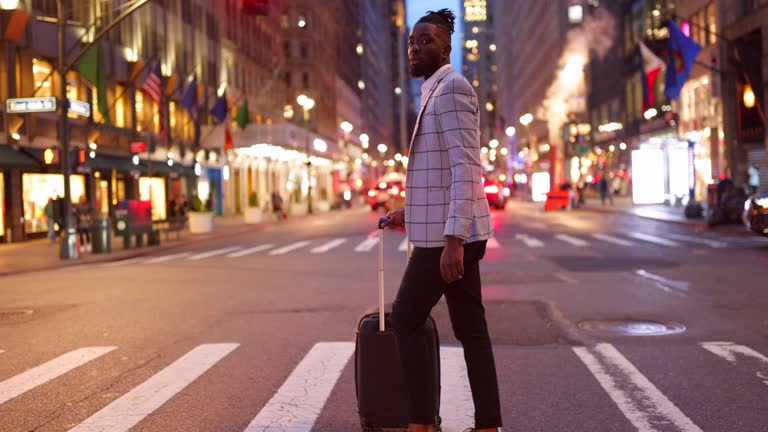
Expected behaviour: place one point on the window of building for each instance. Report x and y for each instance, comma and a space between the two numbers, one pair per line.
285, 21
287, 49
288, 79
304, 51
121, 105
43, 77
140, 116
305, 79
712, 23
37, 188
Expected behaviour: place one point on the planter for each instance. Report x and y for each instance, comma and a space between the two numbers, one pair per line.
299, 209
322, 206
254, 215
200, 222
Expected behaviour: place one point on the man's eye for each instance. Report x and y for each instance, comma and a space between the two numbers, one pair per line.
424, 41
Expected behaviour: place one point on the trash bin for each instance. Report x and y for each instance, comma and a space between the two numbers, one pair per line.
102, 236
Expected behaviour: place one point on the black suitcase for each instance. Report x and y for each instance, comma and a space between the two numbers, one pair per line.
379, 383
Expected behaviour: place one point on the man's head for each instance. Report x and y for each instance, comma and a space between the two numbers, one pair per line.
429, 45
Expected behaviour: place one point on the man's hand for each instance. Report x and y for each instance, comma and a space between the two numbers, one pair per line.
396, 219
452, 260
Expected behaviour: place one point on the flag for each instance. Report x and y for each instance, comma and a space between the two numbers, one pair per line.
681, 54
243, 117
651, 67
228, 141
152, 88
220, 108
189, 97
91, 67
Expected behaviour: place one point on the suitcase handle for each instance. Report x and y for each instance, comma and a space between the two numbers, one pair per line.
382, 221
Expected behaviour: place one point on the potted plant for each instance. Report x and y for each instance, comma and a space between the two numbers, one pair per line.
200, 217
253, 213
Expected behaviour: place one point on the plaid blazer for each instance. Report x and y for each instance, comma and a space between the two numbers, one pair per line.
444, 188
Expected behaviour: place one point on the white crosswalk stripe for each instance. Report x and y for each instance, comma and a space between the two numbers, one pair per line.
612, 239
456, 407
290, 248
493, 243
329, 246
368, 244
572, 240
732, 352
530, 241
299, 401
131, 408
251, 250
122, 262
39, 375
213, 253
711, 243
166, 258
640, 401
653, 239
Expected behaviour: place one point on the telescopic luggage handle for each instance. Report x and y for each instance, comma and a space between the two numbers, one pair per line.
382, 221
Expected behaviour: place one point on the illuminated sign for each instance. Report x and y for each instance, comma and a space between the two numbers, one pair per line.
138, 147
80, 108
30, 105
648, 176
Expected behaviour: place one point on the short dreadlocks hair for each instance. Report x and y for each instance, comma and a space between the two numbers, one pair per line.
444, 18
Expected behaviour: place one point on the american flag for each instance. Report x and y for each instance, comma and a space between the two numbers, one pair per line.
152, 88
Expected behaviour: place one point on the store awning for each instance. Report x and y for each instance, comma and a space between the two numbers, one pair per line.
12, 158
102, 162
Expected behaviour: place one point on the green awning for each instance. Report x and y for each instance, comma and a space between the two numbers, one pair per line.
12, 158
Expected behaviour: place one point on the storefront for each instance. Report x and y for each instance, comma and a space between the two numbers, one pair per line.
154, 189
37, 189
2, 203
662, 172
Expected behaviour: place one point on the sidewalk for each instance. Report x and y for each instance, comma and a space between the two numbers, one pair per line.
34, 255
660, 212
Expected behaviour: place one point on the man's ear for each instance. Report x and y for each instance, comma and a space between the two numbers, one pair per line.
447, 52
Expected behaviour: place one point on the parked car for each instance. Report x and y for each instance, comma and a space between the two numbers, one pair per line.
756, 213
386, 194
494, 191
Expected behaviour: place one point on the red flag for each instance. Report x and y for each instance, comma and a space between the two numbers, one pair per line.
228, 141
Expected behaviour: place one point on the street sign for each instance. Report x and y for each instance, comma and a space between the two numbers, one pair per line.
80, 108
138, 147
30, 105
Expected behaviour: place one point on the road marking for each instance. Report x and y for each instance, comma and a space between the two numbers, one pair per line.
213, 253
299, 401
121, 262
134, 406
711, 243
291, 247
249, 251
328, 246
530, 241
640, 401
403, 247
612, 239
493, 243
669, 285
653, 239
456, 407
166, 258
39, 375
566, 279
572, 240
368, 244
729, 350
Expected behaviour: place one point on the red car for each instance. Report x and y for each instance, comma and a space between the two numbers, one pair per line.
495, 194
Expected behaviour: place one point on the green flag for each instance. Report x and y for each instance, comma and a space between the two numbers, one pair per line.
91, 67
243, 117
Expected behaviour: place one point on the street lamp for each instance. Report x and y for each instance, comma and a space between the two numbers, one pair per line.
307, 104
526, 119
511, 131
365, 140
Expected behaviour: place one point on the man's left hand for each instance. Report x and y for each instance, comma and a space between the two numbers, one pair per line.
452, 260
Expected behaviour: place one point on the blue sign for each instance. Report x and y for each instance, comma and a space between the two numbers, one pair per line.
30, 105
80, 108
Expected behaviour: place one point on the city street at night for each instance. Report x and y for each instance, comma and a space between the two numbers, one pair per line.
257, 329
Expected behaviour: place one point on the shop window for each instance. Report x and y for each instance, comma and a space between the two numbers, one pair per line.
121, 114
42, 73
153, 189
712, 23
139, 111
37, 188
172, 114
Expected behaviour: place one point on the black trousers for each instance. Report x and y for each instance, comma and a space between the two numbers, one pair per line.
420, 290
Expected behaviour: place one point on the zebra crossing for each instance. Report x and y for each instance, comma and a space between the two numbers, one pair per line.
369, 243
300, 401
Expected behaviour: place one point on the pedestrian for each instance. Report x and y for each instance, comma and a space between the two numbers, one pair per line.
754, 178
447, 219
277, 205
605, 190
83, 213
48, 211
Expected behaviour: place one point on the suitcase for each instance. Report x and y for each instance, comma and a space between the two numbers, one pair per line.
379, 383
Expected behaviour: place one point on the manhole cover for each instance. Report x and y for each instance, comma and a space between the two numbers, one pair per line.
631, 328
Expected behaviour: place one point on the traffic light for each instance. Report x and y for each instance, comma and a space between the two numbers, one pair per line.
81, 156
51, 156
255, 7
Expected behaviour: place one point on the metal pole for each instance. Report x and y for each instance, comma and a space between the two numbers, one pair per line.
69, 241
309, 162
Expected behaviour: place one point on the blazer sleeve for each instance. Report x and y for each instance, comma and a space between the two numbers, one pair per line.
458, 116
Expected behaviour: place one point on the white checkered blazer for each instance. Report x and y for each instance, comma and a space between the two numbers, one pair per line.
444, 189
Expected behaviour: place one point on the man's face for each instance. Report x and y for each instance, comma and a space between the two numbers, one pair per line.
428, 49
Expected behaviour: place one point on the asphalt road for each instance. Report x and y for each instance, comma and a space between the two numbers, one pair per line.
256, 332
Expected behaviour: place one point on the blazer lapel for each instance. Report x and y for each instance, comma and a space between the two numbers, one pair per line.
424, 106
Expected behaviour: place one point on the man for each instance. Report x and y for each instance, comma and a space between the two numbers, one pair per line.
448, 222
